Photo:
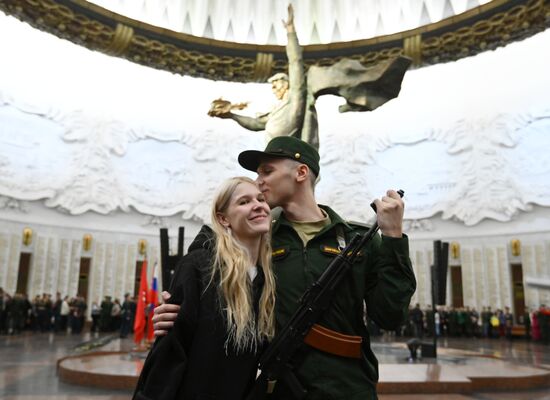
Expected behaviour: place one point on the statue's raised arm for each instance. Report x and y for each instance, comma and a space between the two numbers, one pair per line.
289, 23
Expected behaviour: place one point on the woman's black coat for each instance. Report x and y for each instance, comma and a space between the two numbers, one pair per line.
191, 361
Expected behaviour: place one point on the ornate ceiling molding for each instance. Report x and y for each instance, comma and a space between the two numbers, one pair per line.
482, 28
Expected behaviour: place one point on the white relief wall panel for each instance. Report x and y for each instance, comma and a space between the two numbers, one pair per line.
505, 276
120, 262
64, 267
546, 269
4, 259
467, 277
38, 267
493, 275
109, 271
546, 272
98, 270
92, 278
74, 267
33, 165
13, 262
478, 278
484, 286
529, 266
52, 261
422, 279
131, 269
417, 258
540, 262
540, 259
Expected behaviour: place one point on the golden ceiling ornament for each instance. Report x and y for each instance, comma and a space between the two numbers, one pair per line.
121, 40
87, 242
262, 70
455, 250
515, 247
412, 47
485, 27
27, 236
142, 246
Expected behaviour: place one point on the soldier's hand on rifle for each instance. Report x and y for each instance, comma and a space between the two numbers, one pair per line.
389, 213
165, 315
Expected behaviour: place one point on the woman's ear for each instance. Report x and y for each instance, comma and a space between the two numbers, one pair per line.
222, 219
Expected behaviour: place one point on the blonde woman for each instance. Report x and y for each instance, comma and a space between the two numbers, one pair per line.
227, 293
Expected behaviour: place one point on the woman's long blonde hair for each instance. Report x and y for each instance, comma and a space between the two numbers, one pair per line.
231, 264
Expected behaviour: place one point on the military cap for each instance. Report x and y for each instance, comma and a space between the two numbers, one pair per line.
282, 147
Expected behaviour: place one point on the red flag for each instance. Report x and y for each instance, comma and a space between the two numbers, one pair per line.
139, 322
153, 302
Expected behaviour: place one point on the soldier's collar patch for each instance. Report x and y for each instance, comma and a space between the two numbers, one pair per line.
279, 252
330, 250
335, 251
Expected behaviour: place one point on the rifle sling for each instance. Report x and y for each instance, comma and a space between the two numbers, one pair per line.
333, 342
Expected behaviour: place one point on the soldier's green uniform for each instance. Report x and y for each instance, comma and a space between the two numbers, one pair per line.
382, 277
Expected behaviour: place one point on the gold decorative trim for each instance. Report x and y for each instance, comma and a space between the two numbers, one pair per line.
121, 40
412, 47
262, 70
486, 27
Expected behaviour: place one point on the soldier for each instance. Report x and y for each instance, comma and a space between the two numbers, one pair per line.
105, 323
417, 319
2, 311
19, 311
305, 238
527, 323
485, 321
544, 323
128, 314
508, 322
56, 311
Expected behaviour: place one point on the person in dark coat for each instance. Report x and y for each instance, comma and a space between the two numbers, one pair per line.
128, 314
105, 319
227, 310
417, 319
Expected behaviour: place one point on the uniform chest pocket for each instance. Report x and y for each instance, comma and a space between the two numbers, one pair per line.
280, 253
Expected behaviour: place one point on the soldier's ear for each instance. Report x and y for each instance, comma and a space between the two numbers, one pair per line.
302, 173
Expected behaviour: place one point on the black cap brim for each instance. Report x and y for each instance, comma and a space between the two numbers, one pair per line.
251, 159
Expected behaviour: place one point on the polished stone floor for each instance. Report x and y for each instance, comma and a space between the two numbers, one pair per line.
28, 366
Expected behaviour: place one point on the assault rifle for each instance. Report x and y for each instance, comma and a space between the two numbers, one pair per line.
275, 363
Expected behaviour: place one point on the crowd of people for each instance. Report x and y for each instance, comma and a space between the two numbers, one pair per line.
67, 314
469, 322
63, 314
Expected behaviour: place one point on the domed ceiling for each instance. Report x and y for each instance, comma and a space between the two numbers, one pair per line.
243, 40
318, 21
